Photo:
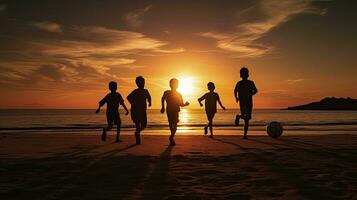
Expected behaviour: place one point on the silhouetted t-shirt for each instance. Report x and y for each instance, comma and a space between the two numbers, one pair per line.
113, 100
245, 89
174, 100
211, 99
137, 99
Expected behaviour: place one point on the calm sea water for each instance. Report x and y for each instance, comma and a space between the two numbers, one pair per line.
190, 119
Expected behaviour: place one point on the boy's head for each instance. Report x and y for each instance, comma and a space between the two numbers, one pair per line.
174, 84
211, 86
244, 73
113, 86
140, 82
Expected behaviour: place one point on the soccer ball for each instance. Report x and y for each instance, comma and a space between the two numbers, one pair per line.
274, 129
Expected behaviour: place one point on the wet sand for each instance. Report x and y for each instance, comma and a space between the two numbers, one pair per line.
79, 166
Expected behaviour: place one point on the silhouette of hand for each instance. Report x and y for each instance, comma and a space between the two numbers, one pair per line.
224, 108
162, 110
127, 112
97, 111
201, 104
237, 100
150, 104
187, 103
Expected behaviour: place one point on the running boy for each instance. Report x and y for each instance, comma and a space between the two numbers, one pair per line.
174, 102
137, 99
243, 92
211, 98
113, 99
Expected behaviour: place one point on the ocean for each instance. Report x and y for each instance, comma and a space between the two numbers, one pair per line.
191, 121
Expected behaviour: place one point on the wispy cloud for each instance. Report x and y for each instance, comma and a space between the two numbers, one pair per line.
292, 81
48, 26
134, 19
244, 41
81, 56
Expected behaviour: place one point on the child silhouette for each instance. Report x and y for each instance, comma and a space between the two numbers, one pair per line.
211, 98
174, 101
113, 99
137, 99
243, 92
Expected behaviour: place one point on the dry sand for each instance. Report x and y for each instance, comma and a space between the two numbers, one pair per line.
79, 166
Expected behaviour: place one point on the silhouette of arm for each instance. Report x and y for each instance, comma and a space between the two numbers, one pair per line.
148, 98
163, 103
121, 101
201, 99
220, 103
101, 103
130, 97
254, 90
236, 93
126, 109
183, 104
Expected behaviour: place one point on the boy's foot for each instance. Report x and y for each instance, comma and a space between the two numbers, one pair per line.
104, 135
245, 137
206, 130
117, 140
172, 141
138, 139
237, 120
211, 136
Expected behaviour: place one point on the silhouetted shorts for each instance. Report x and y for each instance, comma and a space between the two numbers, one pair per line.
113, 118
210, 115
173, 117
139, 117
246, 112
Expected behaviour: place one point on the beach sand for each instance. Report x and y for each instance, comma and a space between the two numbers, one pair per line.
80, 166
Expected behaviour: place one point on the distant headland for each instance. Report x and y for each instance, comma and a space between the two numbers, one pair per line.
330, 103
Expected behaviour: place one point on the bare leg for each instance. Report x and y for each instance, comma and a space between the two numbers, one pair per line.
137, 133
246, 126
104, 133
118, 133
173, 128
210, 124
205, 129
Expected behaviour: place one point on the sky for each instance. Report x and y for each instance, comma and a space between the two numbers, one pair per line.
62, 54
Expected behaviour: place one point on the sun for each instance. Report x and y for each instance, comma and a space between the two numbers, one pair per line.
186, 86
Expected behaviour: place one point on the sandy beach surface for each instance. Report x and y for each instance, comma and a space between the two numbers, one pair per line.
80, 166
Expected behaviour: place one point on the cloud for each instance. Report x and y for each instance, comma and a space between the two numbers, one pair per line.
48, 26
134, 19
292, 81
79, 57
267, 15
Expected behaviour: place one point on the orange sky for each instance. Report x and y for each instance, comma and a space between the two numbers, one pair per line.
297, 51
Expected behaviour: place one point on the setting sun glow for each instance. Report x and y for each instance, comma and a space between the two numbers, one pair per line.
186, 86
